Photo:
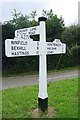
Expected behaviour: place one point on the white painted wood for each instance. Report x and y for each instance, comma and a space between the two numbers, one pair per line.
26, 32
20, 47
42, 64
55, 47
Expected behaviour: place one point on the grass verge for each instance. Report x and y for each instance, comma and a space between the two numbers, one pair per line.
63, 96
0, 104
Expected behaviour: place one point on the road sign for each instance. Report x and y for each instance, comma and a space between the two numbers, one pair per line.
26, 32
23, 45
20, 47
56, 47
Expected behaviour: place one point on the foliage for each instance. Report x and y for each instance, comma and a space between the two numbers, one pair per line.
48, 14
55, 27
33, 15
75, 51
71, 35
0, 104
63, 97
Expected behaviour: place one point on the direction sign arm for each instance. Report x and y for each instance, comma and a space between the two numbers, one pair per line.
26, 32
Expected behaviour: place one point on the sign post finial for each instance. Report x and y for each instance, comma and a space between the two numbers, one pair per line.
42, 18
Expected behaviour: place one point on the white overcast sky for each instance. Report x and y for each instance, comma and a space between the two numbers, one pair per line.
68, 9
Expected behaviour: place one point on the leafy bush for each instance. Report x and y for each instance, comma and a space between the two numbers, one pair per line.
75, 51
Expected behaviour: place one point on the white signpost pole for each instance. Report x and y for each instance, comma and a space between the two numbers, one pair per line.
42, 96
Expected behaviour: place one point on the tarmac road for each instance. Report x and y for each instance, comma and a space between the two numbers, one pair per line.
20, 81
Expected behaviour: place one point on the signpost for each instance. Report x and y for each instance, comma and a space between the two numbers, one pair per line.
23, 45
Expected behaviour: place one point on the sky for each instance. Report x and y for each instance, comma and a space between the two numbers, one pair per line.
68, 9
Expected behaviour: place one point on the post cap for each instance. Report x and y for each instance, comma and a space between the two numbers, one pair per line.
42, 18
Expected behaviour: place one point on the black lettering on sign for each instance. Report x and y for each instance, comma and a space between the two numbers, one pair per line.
14, 42
34, 28
37, 43
19, 42
23, 35
54, 48
23, 30
31, 33
49, 44
17, 34
50, 52
54, 44
18, 48
57, 44
48, 48
27, 37
51, 48
20, 53
37, 52
12, 53
37, 48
